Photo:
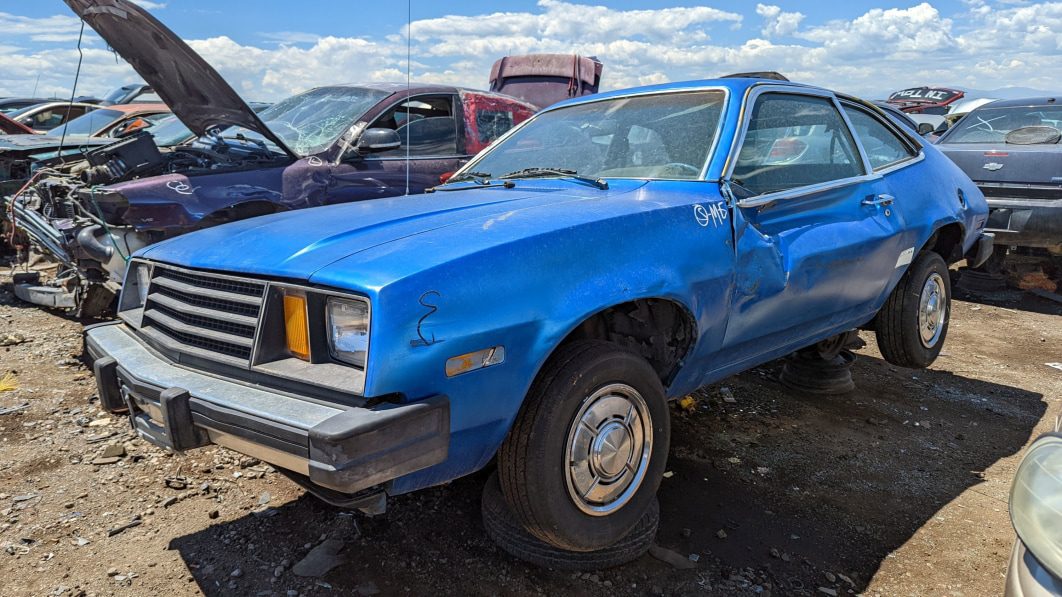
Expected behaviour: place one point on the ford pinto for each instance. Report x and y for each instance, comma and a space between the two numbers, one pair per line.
540, 308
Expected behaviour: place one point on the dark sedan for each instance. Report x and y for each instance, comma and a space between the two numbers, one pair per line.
1011, 149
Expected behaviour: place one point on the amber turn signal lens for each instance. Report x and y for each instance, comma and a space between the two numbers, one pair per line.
295, 326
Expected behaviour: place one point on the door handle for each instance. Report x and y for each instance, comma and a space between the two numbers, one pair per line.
879, 200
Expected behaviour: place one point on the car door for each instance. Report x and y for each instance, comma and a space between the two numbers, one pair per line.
432, 135
815, 236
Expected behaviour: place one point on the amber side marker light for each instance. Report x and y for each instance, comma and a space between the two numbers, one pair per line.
475, 360
295, 326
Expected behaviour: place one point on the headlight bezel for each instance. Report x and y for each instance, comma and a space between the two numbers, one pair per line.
1026, 501
132, 298
271, 336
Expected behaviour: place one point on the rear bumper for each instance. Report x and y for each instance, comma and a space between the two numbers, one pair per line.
981, 250
341, 447
1026, 222
1026, 577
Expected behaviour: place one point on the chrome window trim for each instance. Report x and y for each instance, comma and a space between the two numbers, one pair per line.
593, 100
761, 200
918, 156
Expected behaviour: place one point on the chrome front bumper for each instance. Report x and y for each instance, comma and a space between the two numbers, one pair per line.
341, 447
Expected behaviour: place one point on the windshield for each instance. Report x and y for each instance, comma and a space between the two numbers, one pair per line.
991, 125
119, 94
88, 124
665, 136
170, 131
309, 122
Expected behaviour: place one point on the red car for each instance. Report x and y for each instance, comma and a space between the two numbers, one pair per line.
13, 127
925, 100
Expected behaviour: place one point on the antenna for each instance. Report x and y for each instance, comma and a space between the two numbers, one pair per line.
35, 83
73, 91
409, 52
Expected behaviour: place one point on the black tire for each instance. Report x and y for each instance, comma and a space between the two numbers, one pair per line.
532, 461
507, 532
897, 325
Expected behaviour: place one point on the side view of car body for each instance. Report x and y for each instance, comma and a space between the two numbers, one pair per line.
1011, 149
44, 117
611, 253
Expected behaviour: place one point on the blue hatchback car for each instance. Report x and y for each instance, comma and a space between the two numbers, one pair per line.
540, 308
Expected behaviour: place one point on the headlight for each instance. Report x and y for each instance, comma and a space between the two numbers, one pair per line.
348, 326
143, 280
1036, 502
135, 288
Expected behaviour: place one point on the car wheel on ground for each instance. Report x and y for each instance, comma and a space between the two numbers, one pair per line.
586, 453
911, 326
510, 535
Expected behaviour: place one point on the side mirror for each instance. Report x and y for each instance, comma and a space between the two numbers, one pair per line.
924, 128
129, 127
375, 140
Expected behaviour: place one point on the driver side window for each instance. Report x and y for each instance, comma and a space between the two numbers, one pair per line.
795, 141
424, 123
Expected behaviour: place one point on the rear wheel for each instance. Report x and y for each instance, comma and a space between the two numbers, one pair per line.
913, 323
586, 454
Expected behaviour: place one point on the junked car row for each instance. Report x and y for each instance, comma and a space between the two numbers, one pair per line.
413, 282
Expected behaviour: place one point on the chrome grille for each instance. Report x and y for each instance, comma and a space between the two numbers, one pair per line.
201, 313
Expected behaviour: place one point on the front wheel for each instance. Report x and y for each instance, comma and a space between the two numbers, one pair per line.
585, 456
913, 323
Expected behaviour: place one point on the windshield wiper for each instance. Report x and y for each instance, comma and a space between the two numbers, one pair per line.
481, 179
559, 172
476, 177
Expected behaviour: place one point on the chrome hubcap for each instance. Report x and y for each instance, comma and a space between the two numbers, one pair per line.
932, 309
609, 444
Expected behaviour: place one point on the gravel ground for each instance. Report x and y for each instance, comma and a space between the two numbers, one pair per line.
898, 488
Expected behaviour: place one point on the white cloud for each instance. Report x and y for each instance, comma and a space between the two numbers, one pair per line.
150, 5
776, 22
986, 45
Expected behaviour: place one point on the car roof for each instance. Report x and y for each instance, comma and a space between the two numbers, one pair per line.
137, 108
421, 88
1023, 102
736, 86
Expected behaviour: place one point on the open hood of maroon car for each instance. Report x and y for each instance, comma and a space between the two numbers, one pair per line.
190, 87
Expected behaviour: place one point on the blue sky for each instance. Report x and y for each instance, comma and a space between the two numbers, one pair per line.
268, 49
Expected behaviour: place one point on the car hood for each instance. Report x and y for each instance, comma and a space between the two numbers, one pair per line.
190, 87
21, 143
295, 245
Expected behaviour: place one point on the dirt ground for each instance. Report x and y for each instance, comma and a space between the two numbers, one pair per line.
898, 488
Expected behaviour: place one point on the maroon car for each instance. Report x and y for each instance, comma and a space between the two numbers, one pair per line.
13, 127
925, 100
331, 144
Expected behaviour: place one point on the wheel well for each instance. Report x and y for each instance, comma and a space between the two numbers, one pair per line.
947, 242
660, 330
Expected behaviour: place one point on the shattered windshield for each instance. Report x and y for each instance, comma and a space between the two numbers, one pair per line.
87, 124
992, 125
309, 122
664, 136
